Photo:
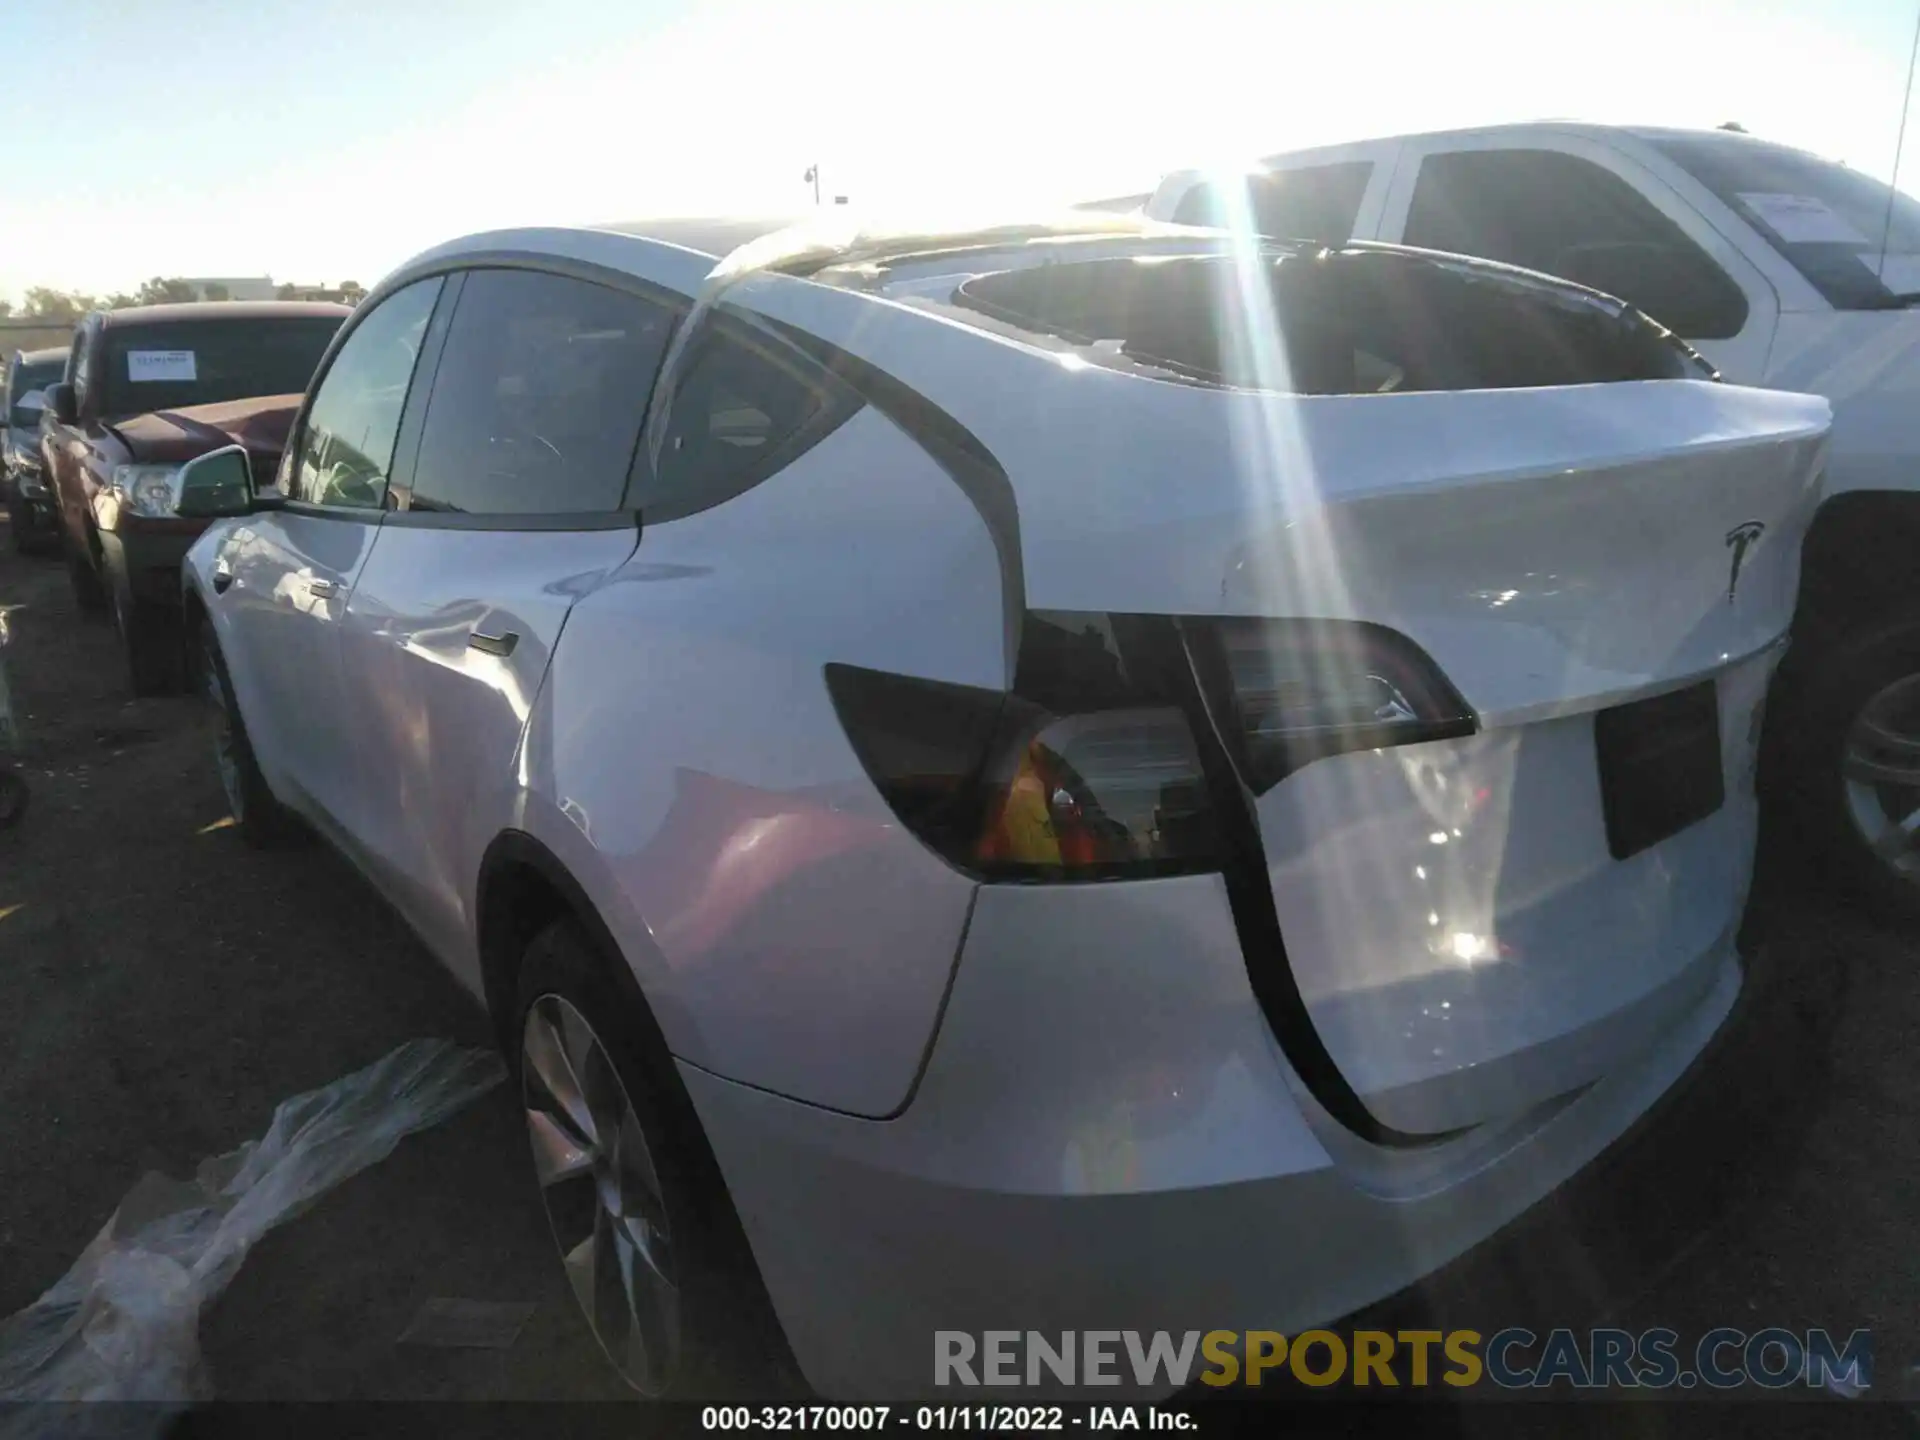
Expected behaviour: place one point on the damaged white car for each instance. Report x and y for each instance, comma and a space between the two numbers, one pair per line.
1099, 775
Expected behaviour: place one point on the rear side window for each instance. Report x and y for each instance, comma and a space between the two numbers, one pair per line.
1316, 202
346, 448
540, 395
744, 405
1570, 217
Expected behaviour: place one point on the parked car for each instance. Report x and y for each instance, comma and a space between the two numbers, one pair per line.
23, 479
1785, 270
989, 756
145, 390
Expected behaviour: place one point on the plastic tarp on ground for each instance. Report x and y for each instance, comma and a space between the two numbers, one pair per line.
123, 1323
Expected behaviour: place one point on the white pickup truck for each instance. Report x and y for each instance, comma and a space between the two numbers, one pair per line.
1784, 270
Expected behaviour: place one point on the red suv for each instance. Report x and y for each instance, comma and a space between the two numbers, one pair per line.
147, 390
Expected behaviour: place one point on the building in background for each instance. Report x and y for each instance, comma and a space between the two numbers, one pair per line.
347, 292
232, 287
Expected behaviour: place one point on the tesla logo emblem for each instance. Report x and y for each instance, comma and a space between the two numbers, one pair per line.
1741, 539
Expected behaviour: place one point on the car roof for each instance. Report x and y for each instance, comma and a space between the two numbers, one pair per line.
1591, 129
192, 312
692, 255
714, 235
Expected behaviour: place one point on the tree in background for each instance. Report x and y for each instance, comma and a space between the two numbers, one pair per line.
6, 308
158, 291
285, 292
216, 291
59, 306
352, 291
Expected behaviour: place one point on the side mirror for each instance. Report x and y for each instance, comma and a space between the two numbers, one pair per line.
62, 402
216, 484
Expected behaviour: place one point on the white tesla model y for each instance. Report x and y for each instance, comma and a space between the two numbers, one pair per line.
1087, 777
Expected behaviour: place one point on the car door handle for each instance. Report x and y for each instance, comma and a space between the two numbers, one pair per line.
322, 589
501, 644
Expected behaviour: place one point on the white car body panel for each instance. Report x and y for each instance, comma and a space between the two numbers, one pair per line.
439, 723
282, 633
1868, 364
1137, 1154
747, 852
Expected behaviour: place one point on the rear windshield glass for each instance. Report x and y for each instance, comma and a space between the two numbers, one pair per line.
24, 381
1827, 220
1348, 323
167, 366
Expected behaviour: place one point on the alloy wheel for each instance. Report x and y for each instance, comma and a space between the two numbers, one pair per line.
1880, 770
602, 1193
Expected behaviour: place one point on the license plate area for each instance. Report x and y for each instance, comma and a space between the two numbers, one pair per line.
1660, 767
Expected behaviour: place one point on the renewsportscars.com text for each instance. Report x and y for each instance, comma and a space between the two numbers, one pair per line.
1511, 1359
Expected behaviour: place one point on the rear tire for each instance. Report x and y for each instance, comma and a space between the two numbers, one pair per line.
639, 1207
262, 820
88, 593
149, 638
1830, 747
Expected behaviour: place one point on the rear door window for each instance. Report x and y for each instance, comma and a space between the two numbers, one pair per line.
1315, 202
540, 395
1570, 217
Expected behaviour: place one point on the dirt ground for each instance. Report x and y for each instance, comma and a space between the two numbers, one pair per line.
166, 987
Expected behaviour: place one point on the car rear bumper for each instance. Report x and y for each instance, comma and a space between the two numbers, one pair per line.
1106, 1137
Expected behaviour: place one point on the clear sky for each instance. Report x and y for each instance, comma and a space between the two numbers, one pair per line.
329, 139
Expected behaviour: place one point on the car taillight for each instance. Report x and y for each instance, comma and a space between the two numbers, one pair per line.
1088, 768
1294, 691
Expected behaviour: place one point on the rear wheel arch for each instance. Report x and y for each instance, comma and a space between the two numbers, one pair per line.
524, 888
1857, 563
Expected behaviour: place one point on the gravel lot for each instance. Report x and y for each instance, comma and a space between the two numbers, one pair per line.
168, 987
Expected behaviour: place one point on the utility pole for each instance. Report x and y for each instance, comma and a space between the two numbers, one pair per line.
813, 176
1899, 143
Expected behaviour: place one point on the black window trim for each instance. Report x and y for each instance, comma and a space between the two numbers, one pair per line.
83, 357
412, 427
426, 373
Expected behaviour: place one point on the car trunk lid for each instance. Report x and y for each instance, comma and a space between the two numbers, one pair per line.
1604, 571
